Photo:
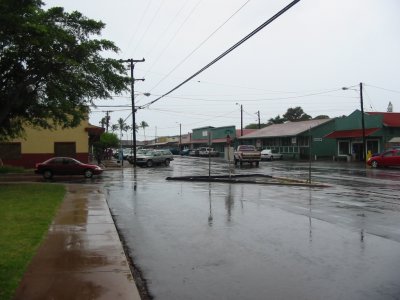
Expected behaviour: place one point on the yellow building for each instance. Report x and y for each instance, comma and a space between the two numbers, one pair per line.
41, 144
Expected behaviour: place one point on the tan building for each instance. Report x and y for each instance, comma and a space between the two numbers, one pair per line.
41, 144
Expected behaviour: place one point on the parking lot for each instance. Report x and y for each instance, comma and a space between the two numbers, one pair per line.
200, 240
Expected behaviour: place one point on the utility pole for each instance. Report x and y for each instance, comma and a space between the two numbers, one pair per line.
362, 122
132, 66
364, 144
259, 122
180, 137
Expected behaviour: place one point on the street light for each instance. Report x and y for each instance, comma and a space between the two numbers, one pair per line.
362, 117
241, 119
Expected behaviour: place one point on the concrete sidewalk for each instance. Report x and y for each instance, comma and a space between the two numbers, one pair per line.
82, 256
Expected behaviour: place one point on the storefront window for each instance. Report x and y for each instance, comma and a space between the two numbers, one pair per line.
343, 147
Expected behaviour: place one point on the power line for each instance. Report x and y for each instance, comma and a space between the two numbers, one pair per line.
258, 99
381, 88
227, 51
165, 31
139, 23
199, 46
148, 27
176, 33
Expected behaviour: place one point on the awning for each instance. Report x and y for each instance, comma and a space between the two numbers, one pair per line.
353, 133
94, 130
394, 140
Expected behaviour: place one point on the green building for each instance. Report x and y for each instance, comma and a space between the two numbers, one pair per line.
380, 128
215, 137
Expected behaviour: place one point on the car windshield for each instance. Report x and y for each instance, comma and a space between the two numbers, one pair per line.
142, 151
246, 148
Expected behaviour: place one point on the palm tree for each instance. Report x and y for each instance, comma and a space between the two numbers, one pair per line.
122, 126
114, 127
143, 125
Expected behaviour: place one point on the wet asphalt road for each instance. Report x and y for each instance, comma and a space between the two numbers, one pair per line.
196, 240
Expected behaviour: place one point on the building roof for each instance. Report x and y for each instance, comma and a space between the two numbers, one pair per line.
94, 130
352, 133
285, 129
390, 119
245, 131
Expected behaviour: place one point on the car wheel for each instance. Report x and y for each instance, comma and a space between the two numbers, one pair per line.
167, 162
374, 164
47, 174
88, 173
149, 163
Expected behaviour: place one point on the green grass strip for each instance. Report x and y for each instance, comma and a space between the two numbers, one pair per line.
26, 211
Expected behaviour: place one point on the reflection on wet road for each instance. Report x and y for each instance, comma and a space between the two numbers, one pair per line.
196, 240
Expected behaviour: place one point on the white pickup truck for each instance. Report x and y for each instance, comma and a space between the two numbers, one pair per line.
248, 154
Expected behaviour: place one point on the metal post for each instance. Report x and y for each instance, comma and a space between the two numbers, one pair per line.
209, 154
180, 137
241, 120
363, 123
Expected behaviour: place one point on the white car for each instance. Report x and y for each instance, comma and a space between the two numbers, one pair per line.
268, 154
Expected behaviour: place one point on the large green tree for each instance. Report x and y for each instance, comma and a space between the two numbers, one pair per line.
51, 67
276, 120
296, 114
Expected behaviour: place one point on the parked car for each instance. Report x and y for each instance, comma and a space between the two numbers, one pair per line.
150, 158
185, 152
174, 151
385, 159
247, 154
66, 166
206, 152
194, 152
268, 154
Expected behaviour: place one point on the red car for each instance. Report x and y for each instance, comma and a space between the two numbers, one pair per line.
385, 159
66, 166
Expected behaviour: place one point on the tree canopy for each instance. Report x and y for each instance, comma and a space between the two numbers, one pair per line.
276, 120
255, 125
292, 114
296, 114
51, 67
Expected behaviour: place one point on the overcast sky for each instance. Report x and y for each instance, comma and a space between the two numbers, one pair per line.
303, 58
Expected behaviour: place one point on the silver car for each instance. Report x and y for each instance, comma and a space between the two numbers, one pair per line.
150, 157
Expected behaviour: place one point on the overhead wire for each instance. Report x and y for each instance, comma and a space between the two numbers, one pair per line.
251, 34
258, 99
381, 88
174, 36
158, 39
139, 23
148, 26
200, 45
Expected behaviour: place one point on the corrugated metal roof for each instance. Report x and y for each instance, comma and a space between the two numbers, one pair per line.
285, 129
390, 119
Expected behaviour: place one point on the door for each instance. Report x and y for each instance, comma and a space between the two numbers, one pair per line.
65, 149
